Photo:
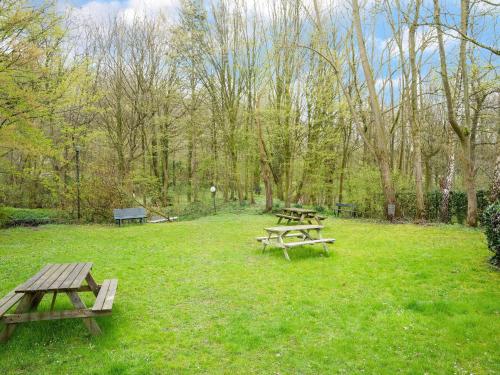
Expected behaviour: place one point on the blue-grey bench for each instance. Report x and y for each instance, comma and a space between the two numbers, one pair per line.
137, 213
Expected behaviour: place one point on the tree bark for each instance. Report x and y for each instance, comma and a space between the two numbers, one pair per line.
381, 143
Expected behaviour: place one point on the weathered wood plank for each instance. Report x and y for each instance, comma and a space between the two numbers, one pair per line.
9, 300
77, 282
102, 295
291, 228
66, 284
53, 315
33, 279
34, 287
309, 242
54, 276
110, 296
273, 237
62, 277
23, 306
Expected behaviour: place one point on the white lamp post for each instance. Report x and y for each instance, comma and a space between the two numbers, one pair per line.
77, 150
213, 190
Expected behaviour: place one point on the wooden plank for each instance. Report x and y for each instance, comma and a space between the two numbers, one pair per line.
54, 276
6, 299
9, 300
102, 295
24, 306
309, 242
300, 210
289, 228
273, 237
110, 296
34, 278
92, 284
69, 280
34, 287
77, 282
62, 277
52, 315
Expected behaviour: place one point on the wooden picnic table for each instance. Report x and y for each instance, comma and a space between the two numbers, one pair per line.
299, 215
276, 236
65, 278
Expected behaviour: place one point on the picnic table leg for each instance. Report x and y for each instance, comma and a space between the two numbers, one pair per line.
24, 305
90, 323
282, 243
268, 239
325, 247
92, 284
54, 296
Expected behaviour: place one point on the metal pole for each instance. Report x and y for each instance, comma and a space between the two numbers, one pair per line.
78, 182
213, 197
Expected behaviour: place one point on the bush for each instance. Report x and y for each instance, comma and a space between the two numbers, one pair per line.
491, 222
10, 216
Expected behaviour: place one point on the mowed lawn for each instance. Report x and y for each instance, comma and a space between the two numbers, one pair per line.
200, 297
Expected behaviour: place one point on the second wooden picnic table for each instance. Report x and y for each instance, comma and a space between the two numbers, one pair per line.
299, 215
276, 236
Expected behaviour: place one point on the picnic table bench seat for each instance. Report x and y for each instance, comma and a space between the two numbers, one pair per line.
9, 300
106, 296
308, 242
283, 216
275, 236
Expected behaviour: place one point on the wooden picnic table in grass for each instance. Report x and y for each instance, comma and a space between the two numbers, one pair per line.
276, 237
52, 279
299, 215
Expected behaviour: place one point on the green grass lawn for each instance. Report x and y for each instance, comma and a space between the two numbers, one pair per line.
200, 297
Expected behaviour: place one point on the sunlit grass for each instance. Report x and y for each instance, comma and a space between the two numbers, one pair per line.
200, 297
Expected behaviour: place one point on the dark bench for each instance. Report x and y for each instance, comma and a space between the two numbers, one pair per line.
138, 213
346, 207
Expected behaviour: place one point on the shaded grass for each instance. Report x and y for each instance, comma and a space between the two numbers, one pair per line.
200, 297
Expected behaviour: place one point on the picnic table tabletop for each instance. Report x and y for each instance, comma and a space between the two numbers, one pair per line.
57, 277
289, 228
299, 210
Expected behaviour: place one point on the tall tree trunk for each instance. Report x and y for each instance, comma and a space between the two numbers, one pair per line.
415, 123
462, 134
447, 186
264, 162
381, 144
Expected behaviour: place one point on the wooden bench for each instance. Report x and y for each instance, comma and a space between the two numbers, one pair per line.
289, 217
106, 296
9, 300
274, 237
346, 207
308, 242
137, 213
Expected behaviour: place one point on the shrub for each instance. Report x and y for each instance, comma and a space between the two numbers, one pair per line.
10, 216
491, 222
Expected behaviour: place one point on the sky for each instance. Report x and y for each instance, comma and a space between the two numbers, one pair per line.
97, 10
